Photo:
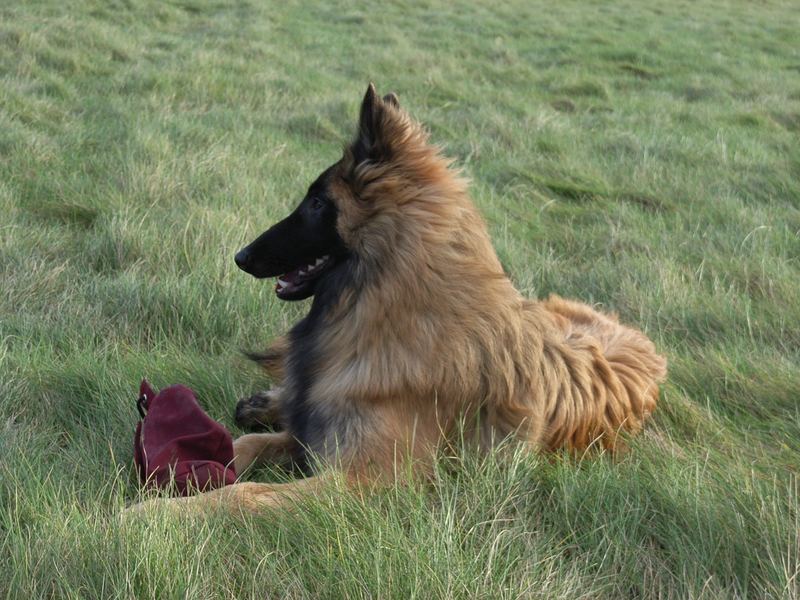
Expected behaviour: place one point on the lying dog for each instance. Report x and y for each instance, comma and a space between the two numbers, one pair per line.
415, 331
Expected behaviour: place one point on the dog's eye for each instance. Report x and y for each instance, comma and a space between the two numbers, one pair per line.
317, 203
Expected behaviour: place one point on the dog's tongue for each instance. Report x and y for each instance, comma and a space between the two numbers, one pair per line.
288, 281
291, 276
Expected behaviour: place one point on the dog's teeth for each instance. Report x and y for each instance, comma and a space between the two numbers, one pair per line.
302, 272
319, 261
282, 283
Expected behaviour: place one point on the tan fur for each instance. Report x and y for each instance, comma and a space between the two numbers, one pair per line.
263, 448
434, 332
554, 373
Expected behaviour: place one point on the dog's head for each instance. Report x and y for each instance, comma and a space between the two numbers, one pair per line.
302, 247
351, 210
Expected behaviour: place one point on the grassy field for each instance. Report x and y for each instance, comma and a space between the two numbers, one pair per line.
641, 156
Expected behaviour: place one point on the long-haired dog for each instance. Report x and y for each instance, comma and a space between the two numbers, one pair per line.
415, 332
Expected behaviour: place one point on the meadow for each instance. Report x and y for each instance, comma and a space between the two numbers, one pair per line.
640, 156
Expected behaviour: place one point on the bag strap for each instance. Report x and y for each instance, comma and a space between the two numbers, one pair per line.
146, 395
141, 405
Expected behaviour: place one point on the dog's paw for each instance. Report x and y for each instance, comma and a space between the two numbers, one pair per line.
259, 411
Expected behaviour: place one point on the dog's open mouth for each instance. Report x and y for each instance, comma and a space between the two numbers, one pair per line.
299, 283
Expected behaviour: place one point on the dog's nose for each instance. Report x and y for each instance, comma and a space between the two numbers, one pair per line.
242, 258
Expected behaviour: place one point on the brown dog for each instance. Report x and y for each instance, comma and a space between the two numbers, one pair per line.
414, 328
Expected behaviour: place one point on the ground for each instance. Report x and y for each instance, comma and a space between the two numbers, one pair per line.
640, 156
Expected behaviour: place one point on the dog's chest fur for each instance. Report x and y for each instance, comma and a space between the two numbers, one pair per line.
327, 429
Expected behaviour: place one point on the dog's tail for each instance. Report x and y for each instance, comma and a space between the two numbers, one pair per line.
627, 369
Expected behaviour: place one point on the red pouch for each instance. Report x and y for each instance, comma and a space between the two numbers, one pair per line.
177, 441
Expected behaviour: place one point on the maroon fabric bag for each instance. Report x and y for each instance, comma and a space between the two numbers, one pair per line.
177, 441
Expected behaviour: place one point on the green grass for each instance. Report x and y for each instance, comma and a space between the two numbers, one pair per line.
637, 155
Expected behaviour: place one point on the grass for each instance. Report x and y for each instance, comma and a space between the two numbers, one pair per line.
644, 157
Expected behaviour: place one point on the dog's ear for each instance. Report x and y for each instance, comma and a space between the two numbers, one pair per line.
368, 121
391, 99
371, 142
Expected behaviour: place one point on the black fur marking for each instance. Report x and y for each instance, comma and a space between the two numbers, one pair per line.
307, 234
307, 425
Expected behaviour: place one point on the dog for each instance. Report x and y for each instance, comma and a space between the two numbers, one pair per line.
414, 328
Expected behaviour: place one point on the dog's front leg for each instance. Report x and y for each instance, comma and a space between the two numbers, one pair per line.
265, 448
237, 498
